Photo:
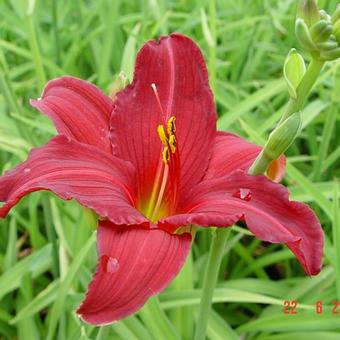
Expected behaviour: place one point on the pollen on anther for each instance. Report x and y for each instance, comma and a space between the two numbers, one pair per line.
162, 136
172, 143
171, 127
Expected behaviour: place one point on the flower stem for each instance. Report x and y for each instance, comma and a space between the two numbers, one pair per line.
260, 164
34, 46
218, 243
157, 321
294, 105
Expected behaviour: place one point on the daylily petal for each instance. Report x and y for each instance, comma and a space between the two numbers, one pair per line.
176, 66
264, 206
70, 169
78, 109
231, 152
277, 169
134, 264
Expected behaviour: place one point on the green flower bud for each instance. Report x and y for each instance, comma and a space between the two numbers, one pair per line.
336, 14
119, 84
324, 15
327, 45
337, 37
303, 35
336, 29
308, 11
283, 136
321, 31
293, 70
331, 54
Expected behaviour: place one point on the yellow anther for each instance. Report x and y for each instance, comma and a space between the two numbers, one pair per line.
166, 155
172, 143
171, 127
168, 139
162, 136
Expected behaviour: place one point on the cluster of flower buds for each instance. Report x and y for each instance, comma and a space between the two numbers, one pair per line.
319, 34
317, 31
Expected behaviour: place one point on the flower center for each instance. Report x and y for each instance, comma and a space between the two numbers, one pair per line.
163, 197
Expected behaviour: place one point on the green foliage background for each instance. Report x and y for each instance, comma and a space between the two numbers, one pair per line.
47, 247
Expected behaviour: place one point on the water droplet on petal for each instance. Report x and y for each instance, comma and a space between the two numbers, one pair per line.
27, 170
243, 194
109, 264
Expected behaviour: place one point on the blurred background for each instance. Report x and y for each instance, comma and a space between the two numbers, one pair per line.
47, 253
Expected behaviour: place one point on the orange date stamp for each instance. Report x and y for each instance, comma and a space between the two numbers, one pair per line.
291, 307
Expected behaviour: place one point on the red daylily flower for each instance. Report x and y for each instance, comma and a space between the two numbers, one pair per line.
149, 163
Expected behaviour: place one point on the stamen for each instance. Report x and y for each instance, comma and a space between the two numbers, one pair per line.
166, 133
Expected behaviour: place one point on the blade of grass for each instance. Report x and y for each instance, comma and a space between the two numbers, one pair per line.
301, 336
183, 318
299, 322
218, 329
129, 53
36, 263
253, 100
11, 251
325, 141
33, 42
171, 300
58, 306
156, 320
336, 237
41, 301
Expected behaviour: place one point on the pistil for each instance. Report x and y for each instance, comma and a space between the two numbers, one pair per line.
166, 132
161, 192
